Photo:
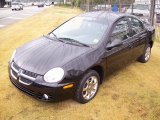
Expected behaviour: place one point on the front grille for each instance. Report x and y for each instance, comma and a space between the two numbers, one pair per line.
31, 74
16, 66
14, 73
26, 80
31, 92
24, 76
28, 73
25, 90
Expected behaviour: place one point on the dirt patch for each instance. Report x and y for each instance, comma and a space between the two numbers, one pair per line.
115, 96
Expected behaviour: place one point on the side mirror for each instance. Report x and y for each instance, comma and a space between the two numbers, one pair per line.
115, 43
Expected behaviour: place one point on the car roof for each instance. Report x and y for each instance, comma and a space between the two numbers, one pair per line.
110, 17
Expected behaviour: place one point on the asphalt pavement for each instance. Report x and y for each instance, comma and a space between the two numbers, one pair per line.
8, 17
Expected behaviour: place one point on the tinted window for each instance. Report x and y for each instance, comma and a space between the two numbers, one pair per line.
121, 30
136, 26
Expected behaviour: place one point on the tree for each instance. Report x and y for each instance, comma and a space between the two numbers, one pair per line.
76, 3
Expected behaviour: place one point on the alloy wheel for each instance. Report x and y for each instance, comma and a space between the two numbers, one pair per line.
90, 87
148, 53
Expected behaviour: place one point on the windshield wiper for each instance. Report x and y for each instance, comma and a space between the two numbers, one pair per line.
51, 38
73, 40
54, 35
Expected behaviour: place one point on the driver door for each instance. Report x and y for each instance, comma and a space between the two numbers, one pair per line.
118, 57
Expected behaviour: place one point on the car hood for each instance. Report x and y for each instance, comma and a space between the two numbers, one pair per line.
43, 54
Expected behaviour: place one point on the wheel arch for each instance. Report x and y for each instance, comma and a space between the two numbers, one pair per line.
100, 70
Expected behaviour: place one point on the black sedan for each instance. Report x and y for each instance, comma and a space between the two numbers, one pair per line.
76, 56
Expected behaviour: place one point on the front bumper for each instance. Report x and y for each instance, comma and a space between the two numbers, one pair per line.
39, 88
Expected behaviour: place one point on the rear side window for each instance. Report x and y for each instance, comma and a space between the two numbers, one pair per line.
120, 31
136, 26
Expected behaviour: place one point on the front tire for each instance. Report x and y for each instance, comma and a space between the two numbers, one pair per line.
146, 56
88, 87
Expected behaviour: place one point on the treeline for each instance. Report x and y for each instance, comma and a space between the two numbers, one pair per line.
112, 1
77, 3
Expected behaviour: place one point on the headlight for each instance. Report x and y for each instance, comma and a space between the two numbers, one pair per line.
54, 75
12, 57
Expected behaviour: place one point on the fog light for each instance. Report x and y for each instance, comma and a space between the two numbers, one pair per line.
45, 96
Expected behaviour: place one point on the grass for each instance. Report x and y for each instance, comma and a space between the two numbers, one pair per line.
157, 36
132, 93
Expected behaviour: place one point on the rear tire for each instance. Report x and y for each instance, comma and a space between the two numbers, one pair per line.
87, 87
146, 56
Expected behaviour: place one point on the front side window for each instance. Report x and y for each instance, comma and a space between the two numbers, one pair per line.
120, 31
136, 26
82, 29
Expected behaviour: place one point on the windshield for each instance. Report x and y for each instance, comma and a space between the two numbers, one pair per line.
82, 29
141, 7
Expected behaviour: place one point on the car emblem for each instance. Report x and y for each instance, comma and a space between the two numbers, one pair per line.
19, 73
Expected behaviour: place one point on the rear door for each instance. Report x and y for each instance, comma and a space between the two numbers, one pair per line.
139, 37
